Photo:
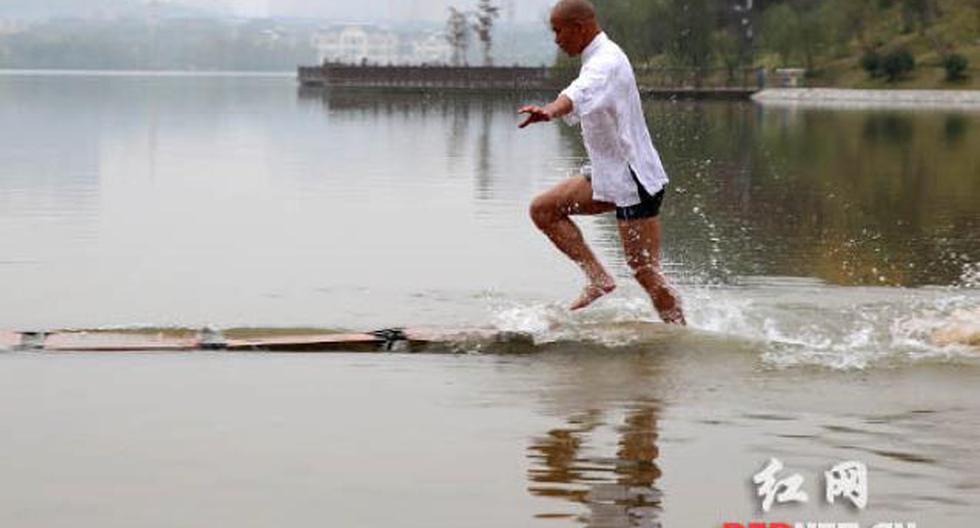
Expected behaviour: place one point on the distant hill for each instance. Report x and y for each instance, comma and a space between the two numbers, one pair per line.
130, 40
33, 10
829, 38
941, 29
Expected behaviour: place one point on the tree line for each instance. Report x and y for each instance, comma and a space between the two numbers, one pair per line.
459, 27
180, 44
733, 34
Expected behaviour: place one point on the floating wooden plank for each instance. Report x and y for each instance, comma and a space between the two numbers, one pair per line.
428, 340
308, 343
9, 340
392, 340
117, 342
389, 340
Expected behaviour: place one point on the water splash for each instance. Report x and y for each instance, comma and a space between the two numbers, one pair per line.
793, 322
549, 323
846, 328
970, 278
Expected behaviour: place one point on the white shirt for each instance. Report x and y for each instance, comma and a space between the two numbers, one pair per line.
606, 102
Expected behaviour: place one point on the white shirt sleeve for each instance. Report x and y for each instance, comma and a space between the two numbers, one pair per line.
586, 92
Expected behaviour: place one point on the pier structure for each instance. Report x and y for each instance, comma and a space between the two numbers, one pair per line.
428, 77
652, 81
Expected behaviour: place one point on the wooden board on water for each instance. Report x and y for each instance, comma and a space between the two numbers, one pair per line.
411, 339
430, 340
116, 342
407, 340
308, 343
9, 339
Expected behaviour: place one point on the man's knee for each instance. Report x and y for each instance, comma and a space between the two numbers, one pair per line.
542, 211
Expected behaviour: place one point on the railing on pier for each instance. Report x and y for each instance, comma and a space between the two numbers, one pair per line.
442, 77
658, 80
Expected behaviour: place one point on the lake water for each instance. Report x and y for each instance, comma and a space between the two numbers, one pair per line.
822, 255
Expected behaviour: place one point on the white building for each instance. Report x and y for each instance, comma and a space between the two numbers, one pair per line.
357, 44
431, 49
10, 27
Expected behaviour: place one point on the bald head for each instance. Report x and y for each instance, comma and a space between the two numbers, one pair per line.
574, 10
574, 24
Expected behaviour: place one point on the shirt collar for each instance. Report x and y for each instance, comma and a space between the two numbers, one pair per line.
593, 46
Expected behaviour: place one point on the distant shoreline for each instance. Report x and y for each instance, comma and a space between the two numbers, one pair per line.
145, 73
854, 98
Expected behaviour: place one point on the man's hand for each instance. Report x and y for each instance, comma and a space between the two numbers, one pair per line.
535, 114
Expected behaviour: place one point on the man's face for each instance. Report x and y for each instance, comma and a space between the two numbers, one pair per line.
568, 34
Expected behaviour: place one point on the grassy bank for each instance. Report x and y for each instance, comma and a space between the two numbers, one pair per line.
954, 30
831, 39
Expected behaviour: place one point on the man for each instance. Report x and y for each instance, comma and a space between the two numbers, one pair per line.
626, 176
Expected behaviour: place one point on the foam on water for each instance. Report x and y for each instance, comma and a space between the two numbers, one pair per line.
794, 322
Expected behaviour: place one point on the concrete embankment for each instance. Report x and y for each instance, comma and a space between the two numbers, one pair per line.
833, 97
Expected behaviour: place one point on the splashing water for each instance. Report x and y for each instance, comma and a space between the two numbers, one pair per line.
794, 322
970, 278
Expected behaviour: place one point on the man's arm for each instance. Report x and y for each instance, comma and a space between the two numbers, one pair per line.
535, 114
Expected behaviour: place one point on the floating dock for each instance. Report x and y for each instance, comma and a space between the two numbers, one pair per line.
468, 78
387, 340
661, 83
640, 335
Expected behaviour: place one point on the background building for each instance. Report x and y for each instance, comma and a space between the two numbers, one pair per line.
431, 49
357, 44
360, 43
8, 27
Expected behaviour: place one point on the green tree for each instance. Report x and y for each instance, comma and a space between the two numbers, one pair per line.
846, 21
780, 29
812, 33
796, 31
956, 66
484, 16
731, 52
897, 64
692, 24
919, 14
638, 26
458, 36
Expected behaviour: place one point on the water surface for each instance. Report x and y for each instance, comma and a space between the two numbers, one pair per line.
822, 255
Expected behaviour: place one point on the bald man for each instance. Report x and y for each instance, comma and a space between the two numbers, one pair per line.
625, 174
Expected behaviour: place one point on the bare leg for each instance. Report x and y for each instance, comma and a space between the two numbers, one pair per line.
641, 243
550, 212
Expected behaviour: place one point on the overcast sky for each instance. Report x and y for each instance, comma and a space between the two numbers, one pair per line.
362, 10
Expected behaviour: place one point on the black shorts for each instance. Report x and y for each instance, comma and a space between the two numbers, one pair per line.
649, 206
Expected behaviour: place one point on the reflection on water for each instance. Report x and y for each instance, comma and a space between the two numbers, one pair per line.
176, 201
618, 491
851, 197
669, 435
672, 435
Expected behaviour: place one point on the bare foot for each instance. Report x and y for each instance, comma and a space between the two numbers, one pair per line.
592, 293
674, 316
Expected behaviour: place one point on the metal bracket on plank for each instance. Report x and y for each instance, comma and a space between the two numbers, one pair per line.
32, 341
393, 339
211, 339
